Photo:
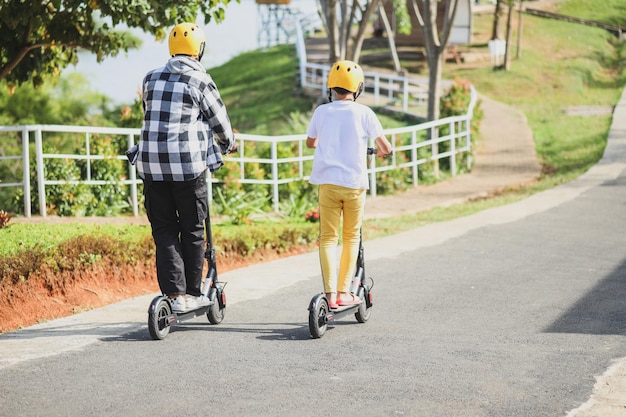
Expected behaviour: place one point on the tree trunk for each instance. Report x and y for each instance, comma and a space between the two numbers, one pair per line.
390, 38
363, 25
434, 57
496, 32
520, 24
435, 68
333, 31
507, 49
339, 20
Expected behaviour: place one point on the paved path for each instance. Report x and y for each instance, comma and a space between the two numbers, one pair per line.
108, 329
505, 157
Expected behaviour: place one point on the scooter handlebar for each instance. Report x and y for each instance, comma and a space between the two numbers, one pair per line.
374, 151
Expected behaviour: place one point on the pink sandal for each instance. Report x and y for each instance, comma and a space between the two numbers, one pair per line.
351, 302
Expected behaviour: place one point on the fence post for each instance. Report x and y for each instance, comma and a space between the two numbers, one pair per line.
453, 148
275, 177
88, 155
434, 149
405, 95
41, 187
301, 49
376, 89
415, 165
26, 172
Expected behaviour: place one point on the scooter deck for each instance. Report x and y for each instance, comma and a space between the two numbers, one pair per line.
339, 309
342, 311
188, 315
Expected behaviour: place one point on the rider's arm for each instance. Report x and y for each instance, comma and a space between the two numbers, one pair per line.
384, 147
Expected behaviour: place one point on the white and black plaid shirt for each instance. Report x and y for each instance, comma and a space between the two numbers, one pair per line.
186, 128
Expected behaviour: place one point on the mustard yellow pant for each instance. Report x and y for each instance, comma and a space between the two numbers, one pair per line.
334, 202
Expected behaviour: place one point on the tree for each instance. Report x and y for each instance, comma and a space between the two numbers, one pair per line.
496, 30
40, 38
507, 49
436, 40
340, 18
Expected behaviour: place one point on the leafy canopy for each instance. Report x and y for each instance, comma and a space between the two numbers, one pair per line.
41, 37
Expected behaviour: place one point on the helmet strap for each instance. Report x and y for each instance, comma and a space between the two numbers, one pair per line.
330, 95
201, 51
358, 91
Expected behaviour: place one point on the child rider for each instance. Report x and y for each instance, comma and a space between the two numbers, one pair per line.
340, 132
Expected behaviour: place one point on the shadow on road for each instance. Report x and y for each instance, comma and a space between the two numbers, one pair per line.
601, 311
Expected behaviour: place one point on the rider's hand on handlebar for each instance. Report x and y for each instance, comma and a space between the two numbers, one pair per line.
381, 154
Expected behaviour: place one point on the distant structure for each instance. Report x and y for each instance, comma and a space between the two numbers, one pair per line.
273, 16
461, 33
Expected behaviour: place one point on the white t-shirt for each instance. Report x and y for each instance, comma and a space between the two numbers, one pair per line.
342, 129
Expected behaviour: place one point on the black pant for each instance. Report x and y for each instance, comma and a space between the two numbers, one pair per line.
177, 211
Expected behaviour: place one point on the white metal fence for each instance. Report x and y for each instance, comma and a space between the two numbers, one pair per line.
414, 145
407, 91
407, 142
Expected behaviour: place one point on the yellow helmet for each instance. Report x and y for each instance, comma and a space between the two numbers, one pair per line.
347, 75
187, 39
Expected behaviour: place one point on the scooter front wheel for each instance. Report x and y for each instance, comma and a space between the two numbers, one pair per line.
158, 318
318, 322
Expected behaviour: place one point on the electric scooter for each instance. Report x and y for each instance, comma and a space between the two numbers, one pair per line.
161, 316
320, 313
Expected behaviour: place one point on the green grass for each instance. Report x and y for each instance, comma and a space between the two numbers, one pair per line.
18, 237
562, 64
260, 90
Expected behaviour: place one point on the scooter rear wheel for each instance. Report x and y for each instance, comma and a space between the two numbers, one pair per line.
364, 312
317, 319
158, 324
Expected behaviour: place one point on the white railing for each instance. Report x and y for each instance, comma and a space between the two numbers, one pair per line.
414, 145
30, 133
407, 141
382, 89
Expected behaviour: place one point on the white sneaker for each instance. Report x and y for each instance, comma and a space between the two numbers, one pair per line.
197, 302
202, 301
192, 304
179, 304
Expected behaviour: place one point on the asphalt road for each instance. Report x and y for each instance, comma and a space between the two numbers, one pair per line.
510, 312
514, 311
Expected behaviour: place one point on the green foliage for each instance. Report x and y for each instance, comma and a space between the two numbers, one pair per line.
259, 89
73, 253
69, 100
39, 39
456, 102
239, 206
299, 202
276, 237
128, 115
110, 199
27, 248
72, 199
402, 17
64, 199
611, 12
563, 64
